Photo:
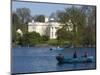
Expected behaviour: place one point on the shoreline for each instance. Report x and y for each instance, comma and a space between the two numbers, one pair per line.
48, 46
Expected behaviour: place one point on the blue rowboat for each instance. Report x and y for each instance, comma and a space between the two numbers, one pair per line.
56, 48
75, 60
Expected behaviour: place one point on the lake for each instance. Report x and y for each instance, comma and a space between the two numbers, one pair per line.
41, 59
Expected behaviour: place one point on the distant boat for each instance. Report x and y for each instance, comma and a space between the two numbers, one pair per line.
75, 60
56, 48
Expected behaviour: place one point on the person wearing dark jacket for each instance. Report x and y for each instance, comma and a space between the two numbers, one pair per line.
75, 55
85, 54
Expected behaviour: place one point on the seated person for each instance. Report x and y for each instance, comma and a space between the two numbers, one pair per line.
60, 56
75, 55
85, 54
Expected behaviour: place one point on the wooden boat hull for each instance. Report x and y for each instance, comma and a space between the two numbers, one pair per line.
75, 60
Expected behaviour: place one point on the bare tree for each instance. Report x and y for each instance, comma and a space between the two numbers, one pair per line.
23, 14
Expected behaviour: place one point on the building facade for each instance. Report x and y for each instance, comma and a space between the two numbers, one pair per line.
48, 28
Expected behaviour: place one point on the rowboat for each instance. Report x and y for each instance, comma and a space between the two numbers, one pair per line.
56, 48
75, 60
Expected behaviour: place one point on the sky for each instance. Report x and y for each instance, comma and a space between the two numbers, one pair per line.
39, 8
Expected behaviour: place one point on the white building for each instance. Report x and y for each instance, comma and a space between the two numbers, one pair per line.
20, 32
49, 27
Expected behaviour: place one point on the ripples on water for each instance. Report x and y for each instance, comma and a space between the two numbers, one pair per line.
26, 60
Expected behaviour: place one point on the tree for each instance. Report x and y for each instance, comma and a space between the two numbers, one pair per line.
90, 12
66, 36
77, 19
54, 16
23, 14
31, 38
39, 18
15, 25
45, 38
18, 39
89, 37
93, 23
92, 18
15, 19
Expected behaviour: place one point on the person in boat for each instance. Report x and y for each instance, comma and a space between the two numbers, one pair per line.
75, 55
85, 54
60, 56
58, 47
51, 49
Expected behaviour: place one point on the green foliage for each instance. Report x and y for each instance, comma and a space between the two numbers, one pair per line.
53, 42
78, 21
39, 18
89, 37
67, 35
19, 20
15, 19
31, 38
83, 21
45, 38
15, 24
81, 33
13, 31
18, 38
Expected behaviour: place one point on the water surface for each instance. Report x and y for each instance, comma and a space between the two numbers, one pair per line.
25, 60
